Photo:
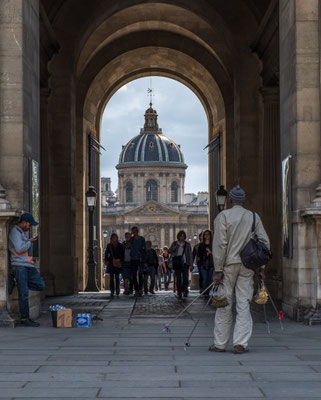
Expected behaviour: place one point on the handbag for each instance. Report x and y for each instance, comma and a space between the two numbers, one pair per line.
177, 261
117, 263
255, 254
219, 297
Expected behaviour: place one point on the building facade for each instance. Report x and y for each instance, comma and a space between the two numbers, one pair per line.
151, 176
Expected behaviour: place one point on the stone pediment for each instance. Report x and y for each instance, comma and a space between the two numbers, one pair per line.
152, 208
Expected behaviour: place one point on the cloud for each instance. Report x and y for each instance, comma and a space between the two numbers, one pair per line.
180, 115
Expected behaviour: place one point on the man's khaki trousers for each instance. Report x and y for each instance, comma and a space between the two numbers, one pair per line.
240, 279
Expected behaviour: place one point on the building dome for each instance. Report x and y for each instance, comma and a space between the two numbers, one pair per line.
151, 146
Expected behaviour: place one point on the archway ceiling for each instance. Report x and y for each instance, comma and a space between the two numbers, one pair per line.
160, 61
215, 24
167, 44
164, 17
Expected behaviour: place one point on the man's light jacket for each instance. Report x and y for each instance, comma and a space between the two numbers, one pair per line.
232, 231
18, 246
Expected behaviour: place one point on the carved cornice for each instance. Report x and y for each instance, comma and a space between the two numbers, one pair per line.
266, 45
49, 46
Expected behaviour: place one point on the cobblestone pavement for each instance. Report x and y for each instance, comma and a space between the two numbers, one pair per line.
127, 355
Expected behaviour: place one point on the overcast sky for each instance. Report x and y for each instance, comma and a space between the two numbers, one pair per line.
180, 115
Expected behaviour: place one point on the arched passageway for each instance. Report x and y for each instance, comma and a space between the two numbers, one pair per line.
231, 54
196, 44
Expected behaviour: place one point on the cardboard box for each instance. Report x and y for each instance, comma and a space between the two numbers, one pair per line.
62, 318
195, 281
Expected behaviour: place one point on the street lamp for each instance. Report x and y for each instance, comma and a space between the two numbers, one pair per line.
92, 266
195, 236
221, 196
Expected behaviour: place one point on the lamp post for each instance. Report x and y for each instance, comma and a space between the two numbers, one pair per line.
92, 266
105, 234
221, 195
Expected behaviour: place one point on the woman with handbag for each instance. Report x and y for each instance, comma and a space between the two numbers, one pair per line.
114, 258
182, 262
205, 263
168, 269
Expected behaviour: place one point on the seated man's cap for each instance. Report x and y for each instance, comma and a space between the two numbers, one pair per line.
237, 194
27, 217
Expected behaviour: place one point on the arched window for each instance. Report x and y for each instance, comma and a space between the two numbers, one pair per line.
174, 192
129, 192
151, 190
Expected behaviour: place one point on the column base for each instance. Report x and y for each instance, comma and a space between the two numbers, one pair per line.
6, 321
312, 317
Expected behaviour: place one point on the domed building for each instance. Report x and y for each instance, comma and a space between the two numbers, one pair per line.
151, 175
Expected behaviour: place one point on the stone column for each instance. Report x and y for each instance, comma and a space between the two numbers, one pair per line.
162, 238
300, 137
6, 216
45, 193
171, 235
272, 180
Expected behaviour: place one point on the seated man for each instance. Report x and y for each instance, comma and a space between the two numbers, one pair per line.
26, 275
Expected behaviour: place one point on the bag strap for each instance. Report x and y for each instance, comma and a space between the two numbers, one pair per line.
111, 251
253, 224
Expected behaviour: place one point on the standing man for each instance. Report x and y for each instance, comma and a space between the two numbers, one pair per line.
127, 267
138, 256
152, 264
26, 275
232, 231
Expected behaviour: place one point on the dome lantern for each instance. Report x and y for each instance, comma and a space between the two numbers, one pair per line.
151, 147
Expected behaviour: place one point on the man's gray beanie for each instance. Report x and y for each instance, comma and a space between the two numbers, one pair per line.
237, 194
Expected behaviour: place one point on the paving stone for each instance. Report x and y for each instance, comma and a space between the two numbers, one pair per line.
53, 392
292, 390
122, 358
247, 392
157, 370
287, 376
124, 383
46, 377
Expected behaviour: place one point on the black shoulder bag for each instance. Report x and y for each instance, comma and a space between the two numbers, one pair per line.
178, 261
255, 254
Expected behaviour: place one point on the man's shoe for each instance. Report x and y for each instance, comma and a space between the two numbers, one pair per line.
151, 292
179, 295
29, 322
185, 293
216, 349
239, 349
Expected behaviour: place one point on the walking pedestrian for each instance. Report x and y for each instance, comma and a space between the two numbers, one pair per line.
159, 271
196, 261
22, 264
168, 269
152, 264
138, 256
182, 257
232, 231
127, 267
206, 264
114, 258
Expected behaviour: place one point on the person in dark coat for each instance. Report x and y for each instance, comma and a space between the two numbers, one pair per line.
152, 263
114, 258
182, 257
205, 257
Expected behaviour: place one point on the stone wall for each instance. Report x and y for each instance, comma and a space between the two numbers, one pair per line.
300, 137
19, 111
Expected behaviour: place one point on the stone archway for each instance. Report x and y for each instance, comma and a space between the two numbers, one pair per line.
109, 45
